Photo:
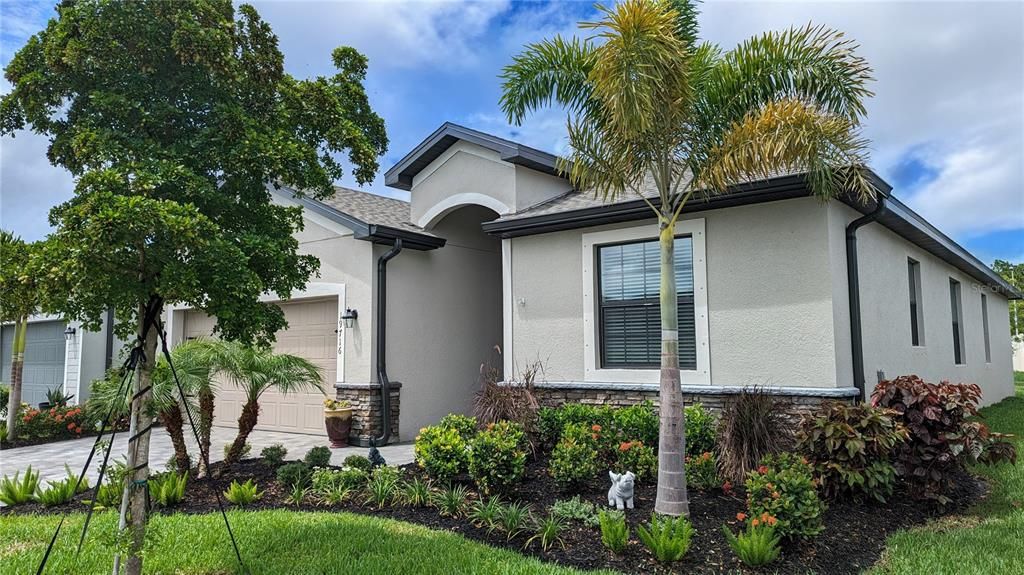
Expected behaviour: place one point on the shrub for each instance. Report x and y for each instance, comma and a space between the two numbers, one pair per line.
753, 426
759, 544
942, 438
485, 513
319, 456
167, 489
5, 397
58, 492
452, 501
639, 458
701, 430
295, 474
637, 423
109, 495
514, 518
784, 488
325, 480
850, 448
552, 421
668, 538
243, 494
415, 493
465, 425
497, 458
575, 509
58, 422
573, 462
441, 452
358, 462
274, 455
19, 490
614, 530
548, 532
702, 472
382, 488
335, 495
510, 400
246, 450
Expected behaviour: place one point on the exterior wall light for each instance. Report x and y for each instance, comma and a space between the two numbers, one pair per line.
349, 317
69, 332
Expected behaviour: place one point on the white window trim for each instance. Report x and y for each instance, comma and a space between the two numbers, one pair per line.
591, 370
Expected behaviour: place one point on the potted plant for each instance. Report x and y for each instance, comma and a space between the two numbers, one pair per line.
338, 419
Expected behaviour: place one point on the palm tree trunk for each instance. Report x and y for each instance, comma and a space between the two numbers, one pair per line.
174, 424
671, 498
246, 423
17, 368
205, 428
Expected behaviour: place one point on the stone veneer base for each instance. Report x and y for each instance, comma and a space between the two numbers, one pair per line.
365, 400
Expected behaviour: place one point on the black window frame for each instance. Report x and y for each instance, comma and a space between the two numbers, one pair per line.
956, 308
916, 311
984, 327
685, 299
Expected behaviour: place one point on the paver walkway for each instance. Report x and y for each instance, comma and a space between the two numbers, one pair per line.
49, 459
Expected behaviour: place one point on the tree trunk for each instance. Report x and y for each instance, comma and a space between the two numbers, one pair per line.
205, 428
246, 423
671, 498
17, 368
174, 424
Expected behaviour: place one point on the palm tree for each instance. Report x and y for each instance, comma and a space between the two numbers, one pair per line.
255, 370
649, 103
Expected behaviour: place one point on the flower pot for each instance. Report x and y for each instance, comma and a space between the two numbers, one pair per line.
338, 423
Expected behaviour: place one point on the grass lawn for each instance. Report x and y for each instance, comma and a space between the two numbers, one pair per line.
988, 539
271, 542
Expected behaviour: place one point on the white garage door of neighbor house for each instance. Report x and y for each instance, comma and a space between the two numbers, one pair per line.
44, 359
310, 334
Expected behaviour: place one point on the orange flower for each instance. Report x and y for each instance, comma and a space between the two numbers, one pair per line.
755, 522
71, 426
595, 427
775, 494
593, 436
741, 516
772, 521
624, 446
727, 487
762, 469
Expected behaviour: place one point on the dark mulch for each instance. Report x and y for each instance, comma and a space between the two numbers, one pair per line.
853, 539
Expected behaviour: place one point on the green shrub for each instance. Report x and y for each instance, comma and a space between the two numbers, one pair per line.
243, 494
441, 452
753, 425
19, 490
614, 530
452, 501
702, 472
167, 489
382, 488
668, 538
485, 513
701, 430
514, 518
465, 425
358, 462
415, 493
784, 488
58, 422
297, 495
246, 450
573, 462
944, 433
335, 495
319, 456
5, 397
548, 532
108, 495
295, 474
325, 480
552, 421
756, 546
497, 457
575, 509
274, 455
639, 458
58, 493
3, 431
638, 422
850, 447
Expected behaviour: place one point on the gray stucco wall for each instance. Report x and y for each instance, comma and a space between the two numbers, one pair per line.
885, 311
770, 314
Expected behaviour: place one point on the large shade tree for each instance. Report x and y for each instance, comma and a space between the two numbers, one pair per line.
18, 301
173, 117
1013, 273
656, 113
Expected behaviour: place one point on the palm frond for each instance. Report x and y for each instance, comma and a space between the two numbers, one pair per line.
554, 70
254, 370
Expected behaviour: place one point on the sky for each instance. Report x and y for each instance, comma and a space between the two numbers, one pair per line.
946, 122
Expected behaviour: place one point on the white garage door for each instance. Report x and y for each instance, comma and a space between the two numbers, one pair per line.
310, 334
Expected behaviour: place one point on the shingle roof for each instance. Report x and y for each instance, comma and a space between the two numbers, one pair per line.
373, 209
580, 200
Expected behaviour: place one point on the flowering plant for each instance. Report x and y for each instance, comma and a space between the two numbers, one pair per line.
758, 544
56, 422
783, 486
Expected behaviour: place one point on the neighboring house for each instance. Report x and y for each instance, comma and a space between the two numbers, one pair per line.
497, 249
59, 354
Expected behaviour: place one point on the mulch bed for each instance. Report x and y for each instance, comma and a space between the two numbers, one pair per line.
853, 539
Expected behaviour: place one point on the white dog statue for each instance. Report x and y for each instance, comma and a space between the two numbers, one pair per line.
621, 491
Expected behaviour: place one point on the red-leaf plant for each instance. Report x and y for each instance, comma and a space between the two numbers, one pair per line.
945, 433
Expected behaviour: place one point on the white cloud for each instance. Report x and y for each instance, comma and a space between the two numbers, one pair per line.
29, 185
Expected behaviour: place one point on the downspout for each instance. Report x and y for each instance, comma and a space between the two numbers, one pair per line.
853, 285
109, 346
382, 340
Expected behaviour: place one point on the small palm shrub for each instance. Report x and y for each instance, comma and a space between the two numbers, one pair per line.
668, 538
19, 490
614, 530
575, 509
638, 422
415, 493
242, 494
514, 518
639, 458
453, 501
547, 532
57, 493
702, 472
382, 488
784, 488
441, 452
319, 456
168, 489
484, 513
292, 474
497, 457
753, 425
245, 450
759, 544
274, 455
358, 462
850, 447
701, 430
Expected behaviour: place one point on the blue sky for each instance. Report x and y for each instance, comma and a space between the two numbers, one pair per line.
947, 121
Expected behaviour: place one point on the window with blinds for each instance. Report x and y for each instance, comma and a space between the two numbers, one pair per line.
628, 306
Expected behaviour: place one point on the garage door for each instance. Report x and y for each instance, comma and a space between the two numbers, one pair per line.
310, 334
44, 359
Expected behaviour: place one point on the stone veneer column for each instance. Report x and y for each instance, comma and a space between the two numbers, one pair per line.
365, 401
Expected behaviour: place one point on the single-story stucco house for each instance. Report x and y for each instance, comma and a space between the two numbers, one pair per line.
777, 289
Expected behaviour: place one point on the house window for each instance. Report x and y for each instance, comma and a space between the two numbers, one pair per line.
956, 311
629, 312
916, 313
984, 328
